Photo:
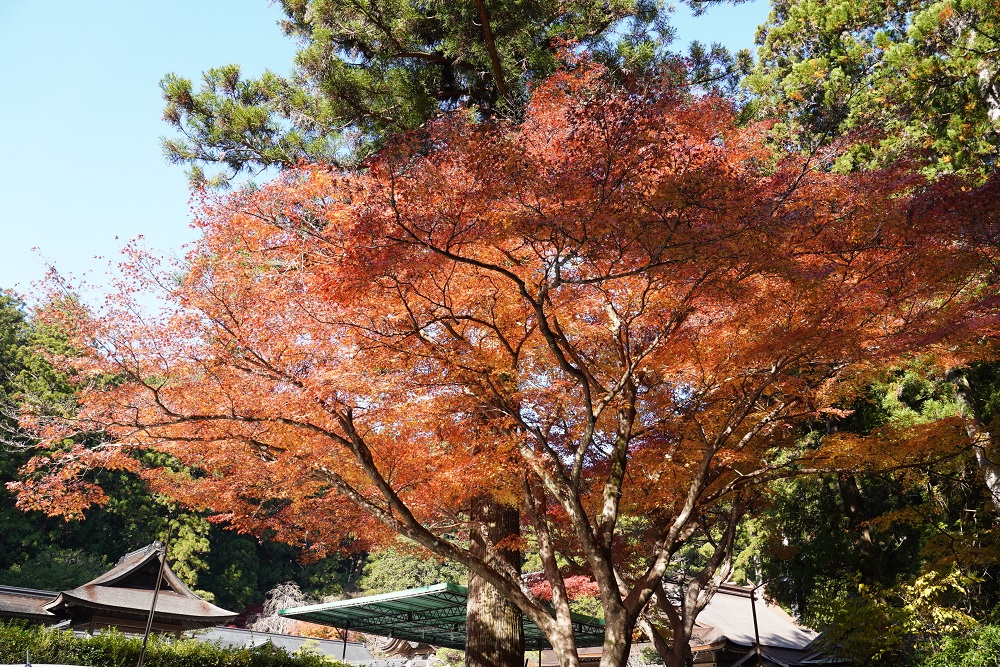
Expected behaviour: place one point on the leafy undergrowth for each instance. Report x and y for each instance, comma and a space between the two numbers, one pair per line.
979, 648
113, 649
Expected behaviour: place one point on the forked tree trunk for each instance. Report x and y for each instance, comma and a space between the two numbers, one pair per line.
673, 653
495, 631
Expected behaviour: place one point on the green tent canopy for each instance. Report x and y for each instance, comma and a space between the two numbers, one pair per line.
431, 614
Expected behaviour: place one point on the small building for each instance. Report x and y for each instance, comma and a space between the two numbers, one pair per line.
121, 598
724, 634
724, 637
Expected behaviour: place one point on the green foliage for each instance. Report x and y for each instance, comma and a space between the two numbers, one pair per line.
396, 569
236, 575
38, 383
889, 562
113, 649
587, 606
55, 569
332, 575
26, 374
876, 625
132, 517
373, 69
189, 544
915, 396
977, 648
909, 78
649, 656
13, 338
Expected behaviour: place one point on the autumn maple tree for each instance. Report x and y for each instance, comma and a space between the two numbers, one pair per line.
617, 308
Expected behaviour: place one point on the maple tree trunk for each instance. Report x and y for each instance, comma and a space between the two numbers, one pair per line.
617, 639
674, 653
680, 654
495, 631
680, 646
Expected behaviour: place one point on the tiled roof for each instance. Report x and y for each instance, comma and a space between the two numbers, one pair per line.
25, 602
168, 603
128, 588
729, 616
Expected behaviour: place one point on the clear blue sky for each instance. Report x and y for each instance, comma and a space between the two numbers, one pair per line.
82, 170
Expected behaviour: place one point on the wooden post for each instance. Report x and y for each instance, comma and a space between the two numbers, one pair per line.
756, 632
156, 594
343, 653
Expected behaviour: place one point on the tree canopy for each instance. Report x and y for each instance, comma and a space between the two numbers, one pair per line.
527, 286
614, 313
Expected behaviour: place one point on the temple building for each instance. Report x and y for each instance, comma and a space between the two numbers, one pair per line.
724, 634
121, 598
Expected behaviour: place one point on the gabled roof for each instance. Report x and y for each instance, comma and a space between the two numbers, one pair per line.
729, 616
138, 569
780, 657
432, 614
128, 589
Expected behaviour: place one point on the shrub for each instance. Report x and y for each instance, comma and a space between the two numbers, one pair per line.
113, 649
978, 648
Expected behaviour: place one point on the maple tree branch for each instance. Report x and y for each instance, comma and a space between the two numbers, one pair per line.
535, 499
407, 525
556, 342
403, 521
665, 547
613, 485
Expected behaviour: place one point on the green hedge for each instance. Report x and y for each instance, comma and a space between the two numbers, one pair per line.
113, 649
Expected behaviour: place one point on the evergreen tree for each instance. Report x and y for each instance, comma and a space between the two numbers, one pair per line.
372, 69
889, 557
914, 79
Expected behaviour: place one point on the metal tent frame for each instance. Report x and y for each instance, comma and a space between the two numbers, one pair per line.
432, 614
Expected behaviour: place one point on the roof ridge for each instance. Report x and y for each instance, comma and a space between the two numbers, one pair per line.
27, 592
155, 546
